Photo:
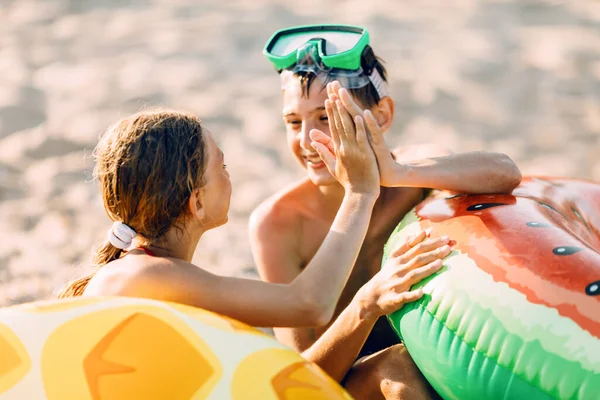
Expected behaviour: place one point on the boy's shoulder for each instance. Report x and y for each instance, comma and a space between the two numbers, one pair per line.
286, 208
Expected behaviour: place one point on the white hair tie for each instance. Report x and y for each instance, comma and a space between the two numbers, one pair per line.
120, 235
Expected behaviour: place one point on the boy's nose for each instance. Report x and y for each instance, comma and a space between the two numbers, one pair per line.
305, 141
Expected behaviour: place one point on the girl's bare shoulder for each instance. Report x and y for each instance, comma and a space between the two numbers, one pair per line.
142, 276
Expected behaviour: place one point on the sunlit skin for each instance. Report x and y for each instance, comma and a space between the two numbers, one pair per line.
309, 300
287, 231
303, 214
300, 116
169, 275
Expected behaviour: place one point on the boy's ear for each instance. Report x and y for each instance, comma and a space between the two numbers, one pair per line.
195, 205
384, 113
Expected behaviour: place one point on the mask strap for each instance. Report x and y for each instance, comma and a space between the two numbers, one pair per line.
378, 83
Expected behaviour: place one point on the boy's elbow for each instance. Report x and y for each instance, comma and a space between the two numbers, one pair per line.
516, 177
512, 173
503, 174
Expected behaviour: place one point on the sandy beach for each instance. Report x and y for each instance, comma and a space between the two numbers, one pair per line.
516, 76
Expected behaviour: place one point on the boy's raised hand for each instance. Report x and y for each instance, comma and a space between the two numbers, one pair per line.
388, 168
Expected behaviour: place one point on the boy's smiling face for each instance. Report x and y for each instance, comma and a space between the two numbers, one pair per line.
301, 114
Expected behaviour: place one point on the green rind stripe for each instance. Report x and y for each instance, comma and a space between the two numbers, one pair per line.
463, 282
443, 358
410, 223
441, 349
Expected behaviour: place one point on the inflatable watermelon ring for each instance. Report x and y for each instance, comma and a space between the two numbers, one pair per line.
515, 311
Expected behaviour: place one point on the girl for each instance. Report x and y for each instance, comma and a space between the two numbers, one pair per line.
164, 184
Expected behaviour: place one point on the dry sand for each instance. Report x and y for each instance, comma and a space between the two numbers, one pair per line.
520, 77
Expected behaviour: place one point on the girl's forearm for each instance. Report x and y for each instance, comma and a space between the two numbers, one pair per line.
322, 281
336, 350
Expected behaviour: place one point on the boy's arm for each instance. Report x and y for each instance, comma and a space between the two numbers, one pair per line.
419, 151
337, 349
473, 172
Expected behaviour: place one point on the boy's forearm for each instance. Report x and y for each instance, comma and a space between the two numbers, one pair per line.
472, 173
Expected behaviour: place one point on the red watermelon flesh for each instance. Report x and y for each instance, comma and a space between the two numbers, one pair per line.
547, 247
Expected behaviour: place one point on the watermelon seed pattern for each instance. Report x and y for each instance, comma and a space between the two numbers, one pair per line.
549, 207
593, 289
484, 206
538, 225
566, 250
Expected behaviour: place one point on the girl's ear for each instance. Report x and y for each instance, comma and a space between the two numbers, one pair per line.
195, 205
384, 113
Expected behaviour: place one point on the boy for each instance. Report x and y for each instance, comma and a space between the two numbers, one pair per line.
287, 229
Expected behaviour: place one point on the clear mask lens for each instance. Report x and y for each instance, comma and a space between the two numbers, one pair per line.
309, 61
288, 78
335, 42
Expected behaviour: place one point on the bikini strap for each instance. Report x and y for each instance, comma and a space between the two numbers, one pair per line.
145, 250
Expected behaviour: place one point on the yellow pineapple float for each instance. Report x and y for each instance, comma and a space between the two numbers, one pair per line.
127, 348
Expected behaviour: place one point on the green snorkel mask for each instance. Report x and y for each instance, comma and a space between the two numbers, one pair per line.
331, 52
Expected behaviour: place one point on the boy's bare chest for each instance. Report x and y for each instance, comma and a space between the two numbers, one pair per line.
368, 263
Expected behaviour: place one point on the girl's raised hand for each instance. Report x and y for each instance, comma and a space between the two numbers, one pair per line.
388, 168
347, 153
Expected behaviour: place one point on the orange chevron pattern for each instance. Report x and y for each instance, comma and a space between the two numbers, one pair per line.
124, 348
